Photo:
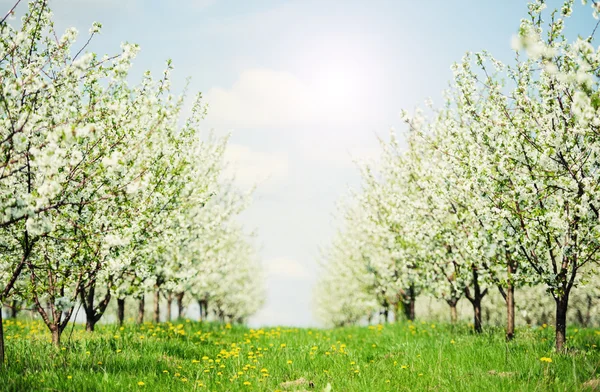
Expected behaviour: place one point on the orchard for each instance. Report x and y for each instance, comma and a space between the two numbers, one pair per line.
114, 203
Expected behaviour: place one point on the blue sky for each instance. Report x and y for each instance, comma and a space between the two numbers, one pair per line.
304, 86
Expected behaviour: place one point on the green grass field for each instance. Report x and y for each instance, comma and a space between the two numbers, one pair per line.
211, 357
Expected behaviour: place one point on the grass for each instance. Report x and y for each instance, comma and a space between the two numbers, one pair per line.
211, 357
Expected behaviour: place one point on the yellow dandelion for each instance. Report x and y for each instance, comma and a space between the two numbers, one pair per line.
141, 383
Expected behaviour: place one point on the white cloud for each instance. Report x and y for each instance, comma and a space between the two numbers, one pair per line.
251, 167
286, 268
265, 98
260, 98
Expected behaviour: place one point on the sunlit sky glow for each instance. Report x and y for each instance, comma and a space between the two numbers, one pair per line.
305, 87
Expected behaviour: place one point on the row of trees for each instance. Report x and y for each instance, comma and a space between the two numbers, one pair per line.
104, 191
498, 189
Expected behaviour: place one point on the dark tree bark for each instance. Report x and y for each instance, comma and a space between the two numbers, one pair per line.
141, 308
120, 310
169, 305
203, 309
409, 304
14, 309
180, 304
1, 340
384, 311
157, 305
562, 303
510, 303
475, 300
93, 311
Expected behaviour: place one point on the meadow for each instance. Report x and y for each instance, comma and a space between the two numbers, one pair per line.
187, 355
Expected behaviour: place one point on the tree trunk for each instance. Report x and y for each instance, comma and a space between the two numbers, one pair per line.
409, 304
475, 299
453, 314
169, 305
157, 306
562, 303
88, 306
121, 310
180, 305
510, 301
200, 318
477, 316
584, 318
56, 336
1, 339
510, 311
93, 311
141, 306
203, 308
384, 311
14, 310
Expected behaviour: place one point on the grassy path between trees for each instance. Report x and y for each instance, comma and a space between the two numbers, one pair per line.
186, 355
